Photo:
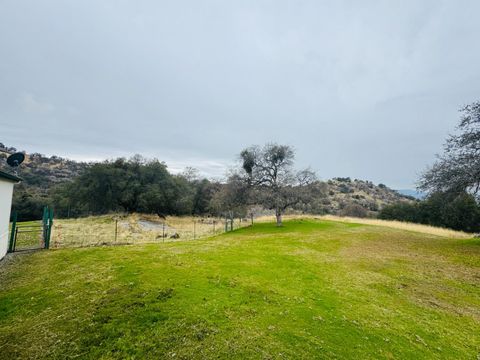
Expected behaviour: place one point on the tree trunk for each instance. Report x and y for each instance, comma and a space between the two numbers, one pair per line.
278, 214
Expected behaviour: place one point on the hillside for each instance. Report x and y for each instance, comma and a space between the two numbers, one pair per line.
340, 196
40, 172
346, 195
359, 198
312, 289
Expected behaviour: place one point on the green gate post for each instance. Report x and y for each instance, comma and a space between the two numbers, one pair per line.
44, 226
12, 233
49, 228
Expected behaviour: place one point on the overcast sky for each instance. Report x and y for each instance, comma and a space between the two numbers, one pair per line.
366, 89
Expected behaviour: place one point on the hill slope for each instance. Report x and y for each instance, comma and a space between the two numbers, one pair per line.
40, 172
312, 289
358, 197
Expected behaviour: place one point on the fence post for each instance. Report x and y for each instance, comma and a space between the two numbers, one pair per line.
116, 230
194, 226
44, 225
13, 232
49, 229
15, 238
163, 232
226, 224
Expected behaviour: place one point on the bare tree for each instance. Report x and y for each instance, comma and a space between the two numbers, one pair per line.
458, 168
272, 180
231, 200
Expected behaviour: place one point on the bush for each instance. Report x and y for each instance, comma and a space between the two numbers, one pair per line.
343, 179
458, 211
345, 189
400, 211
354, 210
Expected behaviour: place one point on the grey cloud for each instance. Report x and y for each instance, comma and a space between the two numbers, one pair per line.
363, 89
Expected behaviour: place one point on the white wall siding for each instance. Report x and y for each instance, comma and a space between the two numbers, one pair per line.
6, 192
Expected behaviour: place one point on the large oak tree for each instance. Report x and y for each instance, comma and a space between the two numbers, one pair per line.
272, 180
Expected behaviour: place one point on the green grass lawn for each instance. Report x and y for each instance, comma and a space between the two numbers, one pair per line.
312, 289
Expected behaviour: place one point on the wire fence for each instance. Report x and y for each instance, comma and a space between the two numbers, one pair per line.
137, 229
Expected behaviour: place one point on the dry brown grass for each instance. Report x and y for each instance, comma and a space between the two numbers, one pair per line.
425, 229
134, 229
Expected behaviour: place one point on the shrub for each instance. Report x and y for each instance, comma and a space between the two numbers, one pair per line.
354, 210
345, 189
458, 211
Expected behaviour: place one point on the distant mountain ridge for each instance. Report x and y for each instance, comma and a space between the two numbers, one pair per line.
413, 193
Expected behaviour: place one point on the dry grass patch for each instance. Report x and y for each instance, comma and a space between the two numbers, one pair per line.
424, 229
118, 229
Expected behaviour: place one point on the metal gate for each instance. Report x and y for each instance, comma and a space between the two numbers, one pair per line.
31, 235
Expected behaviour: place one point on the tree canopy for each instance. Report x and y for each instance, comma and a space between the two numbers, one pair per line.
272, 180
458, 168
457, 211
133, 185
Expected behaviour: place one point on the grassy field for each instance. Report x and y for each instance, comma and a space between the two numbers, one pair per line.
311, 289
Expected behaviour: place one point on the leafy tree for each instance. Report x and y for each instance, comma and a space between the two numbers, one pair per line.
455, 177
354, 210
28, 205
271, 178
458, 211
182, 196
402, 211
232, 198
125, 185
458, 168
204, 192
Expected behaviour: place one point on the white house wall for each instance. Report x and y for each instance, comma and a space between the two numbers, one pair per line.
6, 191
